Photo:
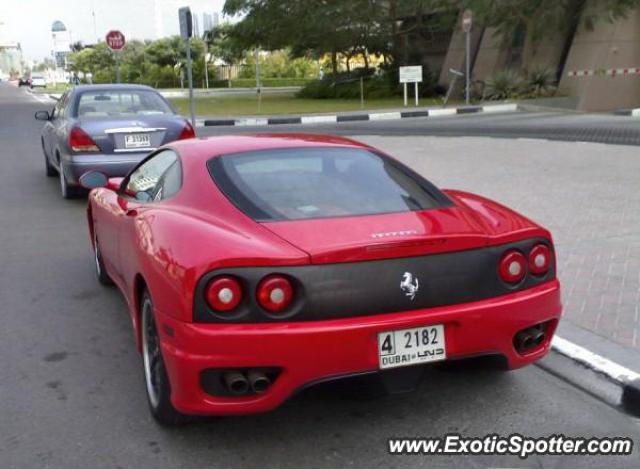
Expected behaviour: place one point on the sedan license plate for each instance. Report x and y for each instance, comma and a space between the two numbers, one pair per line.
411, 346
137, 141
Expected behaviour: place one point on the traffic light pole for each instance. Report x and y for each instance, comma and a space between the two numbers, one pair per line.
190, 79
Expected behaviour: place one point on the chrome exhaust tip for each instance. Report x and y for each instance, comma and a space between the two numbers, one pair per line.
538, 338
236, 383
258, 381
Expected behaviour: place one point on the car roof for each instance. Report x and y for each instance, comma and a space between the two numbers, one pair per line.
209, 147
112, 86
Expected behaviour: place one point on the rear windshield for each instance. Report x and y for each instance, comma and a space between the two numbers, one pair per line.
303, 183
121, 103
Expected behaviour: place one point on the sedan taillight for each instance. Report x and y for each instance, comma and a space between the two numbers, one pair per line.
80, 141
512, 267
223, 293
187, 132
275, 293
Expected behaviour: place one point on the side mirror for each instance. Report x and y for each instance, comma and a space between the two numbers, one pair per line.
43, 116
93, 180
143, 197
114, 184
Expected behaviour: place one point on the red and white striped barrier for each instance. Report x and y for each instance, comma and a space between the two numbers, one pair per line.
611, 72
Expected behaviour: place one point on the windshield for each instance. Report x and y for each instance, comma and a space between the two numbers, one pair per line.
107, 103
303, 183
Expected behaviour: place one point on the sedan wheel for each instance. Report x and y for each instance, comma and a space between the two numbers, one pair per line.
155, 374
67, 191
49, 169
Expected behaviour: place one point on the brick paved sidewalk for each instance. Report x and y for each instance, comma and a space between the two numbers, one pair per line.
588, 195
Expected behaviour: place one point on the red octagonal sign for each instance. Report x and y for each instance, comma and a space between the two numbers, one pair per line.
115, 40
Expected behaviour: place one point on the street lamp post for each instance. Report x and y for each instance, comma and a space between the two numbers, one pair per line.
467, 21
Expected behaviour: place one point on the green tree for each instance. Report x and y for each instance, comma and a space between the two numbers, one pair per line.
328, 26
279, 64
47, 63
97, 60
223, 45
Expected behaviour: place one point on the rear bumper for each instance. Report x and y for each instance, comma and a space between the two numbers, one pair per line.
312, 351
111, 165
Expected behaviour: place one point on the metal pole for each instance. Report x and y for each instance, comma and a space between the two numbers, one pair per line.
405, 94
117, 67
361, 92
258, 84
190, 79
467, 74
416, 86
206, 66
95, 29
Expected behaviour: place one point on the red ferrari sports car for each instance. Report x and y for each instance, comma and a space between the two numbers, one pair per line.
254, 266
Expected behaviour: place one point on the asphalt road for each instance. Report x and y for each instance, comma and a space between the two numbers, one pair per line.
549, 125
71, 383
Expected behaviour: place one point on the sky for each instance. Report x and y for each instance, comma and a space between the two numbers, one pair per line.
29, 21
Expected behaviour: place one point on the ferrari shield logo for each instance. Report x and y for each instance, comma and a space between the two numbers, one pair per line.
409, 285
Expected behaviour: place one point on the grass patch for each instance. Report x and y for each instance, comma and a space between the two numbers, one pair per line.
57, 87
284, 104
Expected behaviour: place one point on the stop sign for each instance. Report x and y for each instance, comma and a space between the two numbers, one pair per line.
115, 40
467, 20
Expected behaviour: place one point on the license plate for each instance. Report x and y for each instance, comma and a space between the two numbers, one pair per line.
411, 346
137, 141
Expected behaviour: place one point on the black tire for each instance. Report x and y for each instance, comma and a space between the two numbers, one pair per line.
49, 169
101, 272
155, 374
66, 190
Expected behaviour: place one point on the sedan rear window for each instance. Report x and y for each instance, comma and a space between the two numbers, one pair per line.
121, 103
304, 183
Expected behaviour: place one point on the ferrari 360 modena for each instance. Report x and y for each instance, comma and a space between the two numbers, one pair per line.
254, 266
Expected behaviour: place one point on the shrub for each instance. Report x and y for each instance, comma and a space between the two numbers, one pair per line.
384, 85
541, 82
268, 82
504, 84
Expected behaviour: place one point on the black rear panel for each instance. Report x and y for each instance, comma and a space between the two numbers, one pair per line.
331, 291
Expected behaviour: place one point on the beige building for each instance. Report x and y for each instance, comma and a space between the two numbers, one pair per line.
603, 55
598, 68
11, 63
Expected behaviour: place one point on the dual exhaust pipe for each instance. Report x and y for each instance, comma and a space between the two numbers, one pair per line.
530, 338
239, 383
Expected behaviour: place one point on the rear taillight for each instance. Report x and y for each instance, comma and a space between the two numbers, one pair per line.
79, 141
275, 293
187, 132
539, 259
512, 267
223, 293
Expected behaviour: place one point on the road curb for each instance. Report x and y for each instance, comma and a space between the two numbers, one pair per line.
631, 397
627, 380
369, 116
627, 112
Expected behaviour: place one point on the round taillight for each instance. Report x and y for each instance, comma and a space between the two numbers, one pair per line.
275, 293
223, 293
539, 259
512, 267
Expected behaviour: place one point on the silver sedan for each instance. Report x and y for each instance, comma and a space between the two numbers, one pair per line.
108, 128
